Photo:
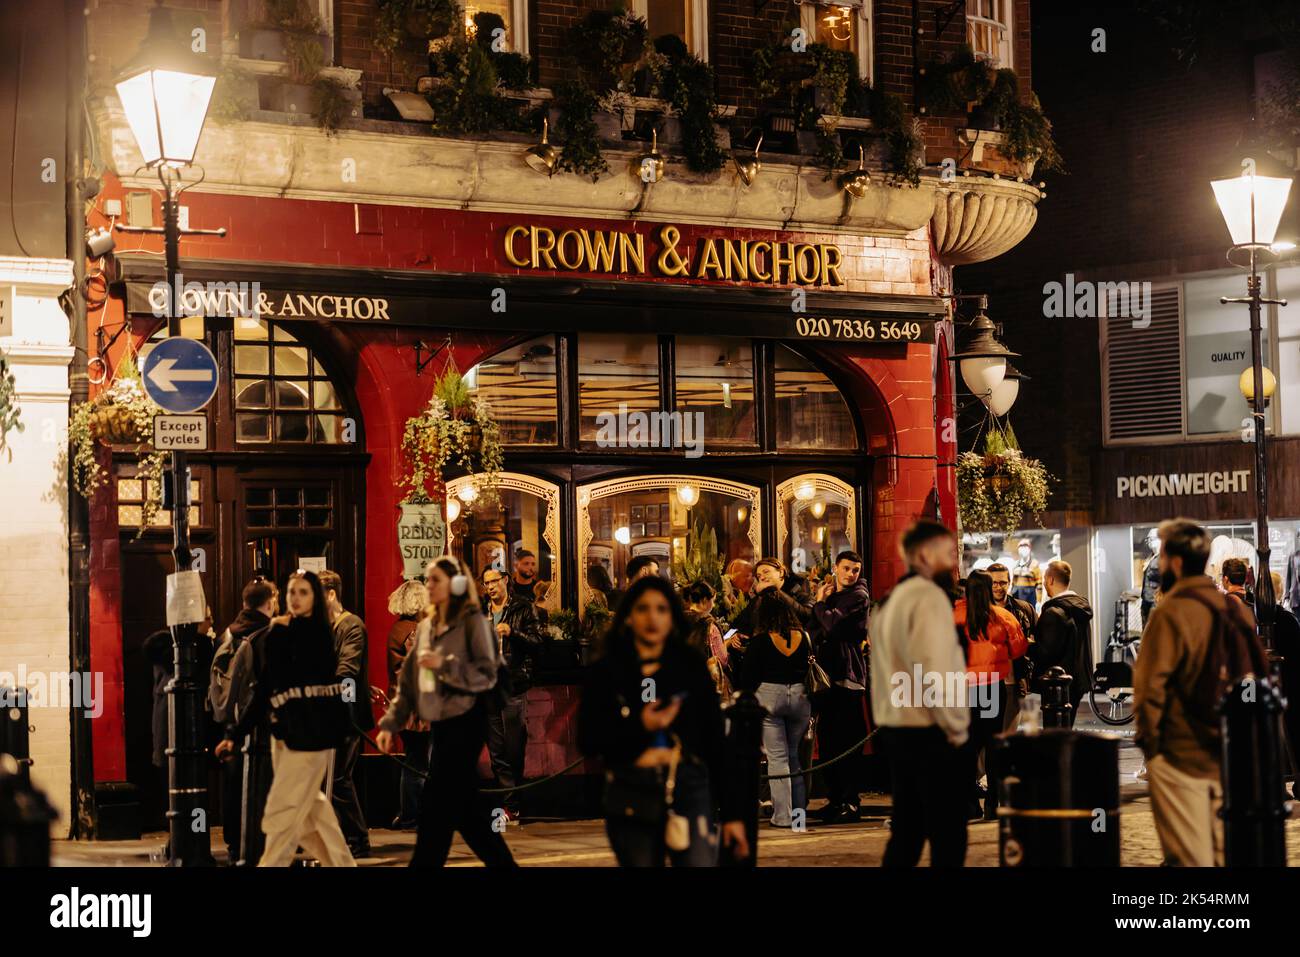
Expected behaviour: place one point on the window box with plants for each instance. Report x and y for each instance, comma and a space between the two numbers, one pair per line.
283, 25
475, 89
120, 415
305, 89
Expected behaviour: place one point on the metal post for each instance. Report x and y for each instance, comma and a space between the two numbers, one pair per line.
1254, 810
1264, 598
187, 771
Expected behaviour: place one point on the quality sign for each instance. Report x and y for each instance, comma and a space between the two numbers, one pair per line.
180, 375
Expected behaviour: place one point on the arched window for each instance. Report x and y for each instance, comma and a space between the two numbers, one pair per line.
810, 410
816, 519
282, 393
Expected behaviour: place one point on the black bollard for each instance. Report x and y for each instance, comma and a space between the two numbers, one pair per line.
743, 762
1254, 811
256, 756
1057, 710
15, 732
25, 816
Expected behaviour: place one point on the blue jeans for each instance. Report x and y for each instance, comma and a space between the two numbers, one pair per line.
789, 712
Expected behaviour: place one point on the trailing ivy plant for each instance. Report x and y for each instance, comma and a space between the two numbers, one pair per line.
609, 44
580, 154
1000, 489
456, 428
687, 83
399, 20
10, 412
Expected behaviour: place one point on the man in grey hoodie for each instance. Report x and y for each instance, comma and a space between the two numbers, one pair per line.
919, 700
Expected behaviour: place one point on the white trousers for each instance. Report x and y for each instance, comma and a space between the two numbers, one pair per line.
1186, 809
298, 814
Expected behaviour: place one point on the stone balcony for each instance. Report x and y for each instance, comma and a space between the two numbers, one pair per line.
972, 218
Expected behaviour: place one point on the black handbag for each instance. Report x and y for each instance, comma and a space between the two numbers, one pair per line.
636, 794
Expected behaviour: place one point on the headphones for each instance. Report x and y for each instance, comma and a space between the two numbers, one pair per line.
459, 581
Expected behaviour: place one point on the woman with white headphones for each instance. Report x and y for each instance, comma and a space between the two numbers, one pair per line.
453, 664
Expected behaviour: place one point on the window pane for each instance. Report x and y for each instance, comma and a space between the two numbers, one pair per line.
253, 428
129, 515
666, 16
324, 396
259, 518
492, 538
130, 490
810, 412
290, 360
291, 427
521, 386
329, 429
500, 7
1217, 351
251, 330
316, 496
715, 377
616, 374
252, 360
258, 496
837, 27
251, 393
291, 394
818, 531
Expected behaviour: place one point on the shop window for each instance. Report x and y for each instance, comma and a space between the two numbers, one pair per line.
841, 26
521, 386
688, 19
133, 492
617, 375
1218, 350
816, 520
660, 516
514, 15
979, 550
810, 411
715, 377
282, 393
527, 518
988, 30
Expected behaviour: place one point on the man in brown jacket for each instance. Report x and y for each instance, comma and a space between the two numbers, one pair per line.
1177, 729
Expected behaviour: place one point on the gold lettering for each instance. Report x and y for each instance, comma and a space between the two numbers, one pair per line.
511, 233
600, 250
327, 300
577, 249
754, 270
288, 308
778, 261
813, 273
709, 262
381, 309
735, 258
364, 308
831, 260
543, 252
631, 249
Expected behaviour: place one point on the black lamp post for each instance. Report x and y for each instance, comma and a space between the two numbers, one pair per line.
165, 92
1252, 206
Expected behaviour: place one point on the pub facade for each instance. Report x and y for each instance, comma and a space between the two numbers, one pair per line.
764, 358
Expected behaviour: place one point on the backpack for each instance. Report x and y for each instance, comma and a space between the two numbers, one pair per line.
1234, 651
229, 689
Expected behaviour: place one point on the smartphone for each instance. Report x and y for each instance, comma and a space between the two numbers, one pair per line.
728, 636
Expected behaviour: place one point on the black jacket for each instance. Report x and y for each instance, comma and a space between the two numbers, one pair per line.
840, 625
350, 648
295, 671
1064, 637
524, 641
609, 715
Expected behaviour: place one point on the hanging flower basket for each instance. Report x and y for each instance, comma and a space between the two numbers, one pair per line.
121, 415
455, 429
1000, 491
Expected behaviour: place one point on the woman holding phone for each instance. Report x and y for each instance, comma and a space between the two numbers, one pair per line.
649, 711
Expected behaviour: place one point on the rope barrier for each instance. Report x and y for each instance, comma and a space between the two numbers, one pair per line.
825, 764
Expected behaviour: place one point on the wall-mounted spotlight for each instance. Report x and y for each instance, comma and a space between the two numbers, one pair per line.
856, 182
748, 169
650, 166
99, 242
543, 156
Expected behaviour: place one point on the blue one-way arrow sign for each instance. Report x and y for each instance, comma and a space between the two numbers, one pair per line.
180, 375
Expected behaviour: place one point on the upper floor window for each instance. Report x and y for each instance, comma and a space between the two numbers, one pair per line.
988, 30
514, 18
688, 19
841, 26
282, 393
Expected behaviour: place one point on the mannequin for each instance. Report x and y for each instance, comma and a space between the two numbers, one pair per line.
1026, 576
1151, 575
1292, 595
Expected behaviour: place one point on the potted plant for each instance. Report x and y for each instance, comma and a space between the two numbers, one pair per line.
10, 413
410, 24
1000, 488
455, 429
576, 107
687, 84
120, 415
609, 46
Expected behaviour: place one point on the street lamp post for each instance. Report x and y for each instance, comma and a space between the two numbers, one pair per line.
165, 91
1252, 207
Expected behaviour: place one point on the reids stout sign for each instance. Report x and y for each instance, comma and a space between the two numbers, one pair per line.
421, 536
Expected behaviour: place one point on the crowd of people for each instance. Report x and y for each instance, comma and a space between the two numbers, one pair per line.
813, 650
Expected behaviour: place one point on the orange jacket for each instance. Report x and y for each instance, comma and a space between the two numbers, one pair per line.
989, 656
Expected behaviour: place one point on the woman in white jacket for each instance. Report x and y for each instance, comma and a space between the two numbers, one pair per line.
453, 664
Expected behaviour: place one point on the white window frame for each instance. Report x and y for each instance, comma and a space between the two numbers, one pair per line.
1006, 57
810, 12
697, 24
